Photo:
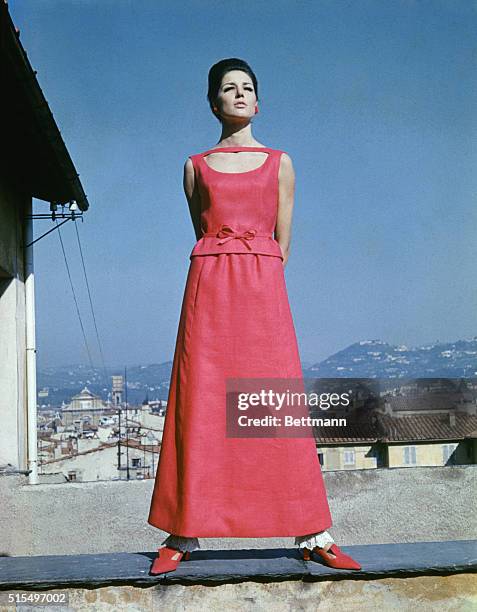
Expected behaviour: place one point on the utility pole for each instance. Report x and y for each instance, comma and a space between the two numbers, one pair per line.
127, 419
117, 395
119, 439
144, 454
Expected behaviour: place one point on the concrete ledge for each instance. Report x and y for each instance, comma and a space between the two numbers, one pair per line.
212, 567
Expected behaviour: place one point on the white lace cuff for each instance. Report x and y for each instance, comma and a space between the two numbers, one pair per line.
182, 544
320, 539
311, 540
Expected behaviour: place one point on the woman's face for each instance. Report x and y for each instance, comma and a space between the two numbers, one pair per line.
236, 97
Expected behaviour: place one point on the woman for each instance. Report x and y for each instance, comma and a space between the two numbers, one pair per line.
236, 323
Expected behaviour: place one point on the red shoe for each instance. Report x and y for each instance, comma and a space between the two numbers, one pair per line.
167, 560
339, 561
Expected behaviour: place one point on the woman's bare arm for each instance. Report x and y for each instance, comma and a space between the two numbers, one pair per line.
193, 197
286, 197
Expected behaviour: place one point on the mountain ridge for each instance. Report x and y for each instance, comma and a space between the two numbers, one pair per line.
363, 359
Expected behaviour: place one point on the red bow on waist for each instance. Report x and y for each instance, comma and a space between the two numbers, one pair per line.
227, 233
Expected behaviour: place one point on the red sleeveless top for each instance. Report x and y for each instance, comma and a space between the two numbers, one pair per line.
238, 209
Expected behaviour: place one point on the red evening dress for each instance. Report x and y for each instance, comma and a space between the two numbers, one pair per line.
235, 322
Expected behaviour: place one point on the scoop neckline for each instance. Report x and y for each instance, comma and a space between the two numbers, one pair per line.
236, 149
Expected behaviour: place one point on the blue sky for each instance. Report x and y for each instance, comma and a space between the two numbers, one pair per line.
374, 101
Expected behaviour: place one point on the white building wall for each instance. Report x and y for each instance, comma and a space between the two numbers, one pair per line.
101, 464
13, 408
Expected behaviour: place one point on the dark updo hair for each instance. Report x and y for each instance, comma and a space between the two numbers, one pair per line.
216, 74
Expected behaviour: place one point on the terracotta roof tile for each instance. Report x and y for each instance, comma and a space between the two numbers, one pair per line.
385, 428
428, 427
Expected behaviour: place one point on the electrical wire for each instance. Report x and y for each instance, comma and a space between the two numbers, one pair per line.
91, 304
74, 297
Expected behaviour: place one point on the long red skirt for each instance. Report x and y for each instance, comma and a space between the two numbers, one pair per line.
235, 322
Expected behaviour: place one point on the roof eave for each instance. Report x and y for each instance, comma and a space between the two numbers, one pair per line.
51, 139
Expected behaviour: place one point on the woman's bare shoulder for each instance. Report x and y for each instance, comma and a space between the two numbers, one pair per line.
190, 165
286, 164
189, 176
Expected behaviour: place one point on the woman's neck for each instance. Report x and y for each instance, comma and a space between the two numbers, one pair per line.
237, 137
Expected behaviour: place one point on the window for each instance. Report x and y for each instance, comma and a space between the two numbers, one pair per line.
136, 463
448, 453
409, 455
321, 459
349, 457
71, 475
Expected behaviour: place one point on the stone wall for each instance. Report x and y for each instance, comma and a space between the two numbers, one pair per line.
421, 593
368, 507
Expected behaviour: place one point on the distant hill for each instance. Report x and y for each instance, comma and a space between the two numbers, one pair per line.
364, 359
378, 359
